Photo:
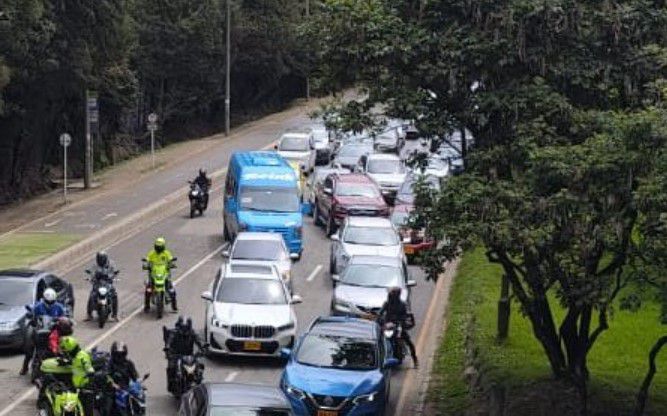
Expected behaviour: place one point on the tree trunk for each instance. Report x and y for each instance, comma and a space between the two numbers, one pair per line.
504, 309
642, 396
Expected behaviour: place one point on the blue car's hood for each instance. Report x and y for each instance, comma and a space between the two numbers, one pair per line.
332, 382
271, 219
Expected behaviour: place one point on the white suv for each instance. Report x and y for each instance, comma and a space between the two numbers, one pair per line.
298, 147
249, 311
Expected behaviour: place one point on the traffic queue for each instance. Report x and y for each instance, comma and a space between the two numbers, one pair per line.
359, 187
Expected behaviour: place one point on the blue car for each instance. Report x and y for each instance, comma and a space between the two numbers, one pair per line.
340, 367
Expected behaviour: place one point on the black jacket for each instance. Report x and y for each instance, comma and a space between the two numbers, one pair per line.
122, 372
180, 342
394, 312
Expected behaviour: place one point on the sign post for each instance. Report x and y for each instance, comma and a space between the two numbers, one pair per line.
92, 121
65, 141
152, 126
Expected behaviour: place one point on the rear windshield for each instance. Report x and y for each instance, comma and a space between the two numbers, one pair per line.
294, 144
257, 250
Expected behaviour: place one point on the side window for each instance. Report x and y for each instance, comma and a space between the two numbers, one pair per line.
229, 185
41, 287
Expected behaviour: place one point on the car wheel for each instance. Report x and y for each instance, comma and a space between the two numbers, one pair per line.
332, 265
225, 233
316, 215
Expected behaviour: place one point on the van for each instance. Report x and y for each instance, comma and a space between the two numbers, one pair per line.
262, 194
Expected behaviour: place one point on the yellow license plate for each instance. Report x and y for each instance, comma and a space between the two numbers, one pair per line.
409, 250
252, 345
326, 413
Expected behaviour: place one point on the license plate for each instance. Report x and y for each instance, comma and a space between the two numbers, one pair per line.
327, 413
252, 345
409, 250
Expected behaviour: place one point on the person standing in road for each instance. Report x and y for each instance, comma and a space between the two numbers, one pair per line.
160, 256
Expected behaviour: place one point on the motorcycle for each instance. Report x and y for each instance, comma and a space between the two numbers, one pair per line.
104, 291
156, 286
198, 200
59, 400
43, 326
132, 400
189, 373
393, 332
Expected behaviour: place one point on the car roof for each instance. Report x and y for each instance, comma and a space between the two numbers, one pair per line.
296, 134
238, 394
20, 273
384, 156
371, 222
344, 326
250, 269
353, 178
258, 236
376, 260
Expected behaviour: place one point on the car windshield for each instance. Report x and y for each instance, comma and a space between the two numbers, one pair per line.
406, 192
372, 275
246, 411
372, 236
353, 151
339, 352
356, 189
385, 166
294, 144
256, 198
257, 250
251, 292
14, 292
399, 219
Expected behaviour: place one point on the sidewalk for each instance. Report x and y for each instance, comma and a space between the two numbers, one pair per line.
131, 186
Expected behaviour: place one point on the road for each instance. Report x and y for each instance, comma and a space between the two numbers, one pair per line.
197, 244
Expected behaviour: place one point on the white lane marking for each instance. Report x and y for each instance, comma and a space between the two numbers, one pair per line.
52, 223
314, 273
31, 391
110, 215
231, 376
90, 226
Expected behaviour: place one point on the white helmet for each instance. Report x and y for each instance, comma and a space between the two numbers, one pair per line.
49, 295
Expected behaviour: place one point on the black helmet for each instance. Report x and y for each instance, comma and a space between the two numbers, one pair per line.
188, 324
394, 294
179, 322
118, 351
202, 172
102, 259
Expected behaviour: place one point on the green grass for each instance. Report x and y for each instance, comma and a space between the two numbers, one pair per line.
617, 361
24, 249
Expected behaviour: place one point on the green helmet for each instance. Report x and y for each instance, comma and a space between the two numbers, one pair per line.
68, 344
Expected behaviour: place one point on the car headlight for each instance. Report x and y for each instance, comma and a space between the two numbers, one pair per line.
294, 392
365, 398
286, 327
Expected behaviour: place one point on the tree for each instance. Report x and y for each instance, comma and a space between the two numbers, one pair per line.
558, 96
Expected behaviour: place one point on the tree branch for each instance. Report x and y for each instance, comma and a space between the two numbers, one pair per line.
642, 396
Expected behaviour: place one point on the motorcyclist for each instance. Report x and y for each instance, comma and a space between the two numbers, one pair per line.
82, 370
396, 311
204, 183
179, 341
121, 369
47, 306
159, 255
103, 271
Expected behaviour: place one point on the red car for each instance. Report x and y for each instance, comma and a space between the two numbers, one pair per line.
414, 240
345, 194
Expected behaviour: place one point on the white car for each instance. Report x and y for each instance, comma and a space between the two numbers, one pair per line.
363, 236
249, 311
323, 145
263, 248
298, 147
387, 170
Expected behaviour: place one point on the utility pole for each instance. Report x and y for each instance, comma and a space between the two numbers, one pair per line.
228, 65
65, 141
308, 69
92, 120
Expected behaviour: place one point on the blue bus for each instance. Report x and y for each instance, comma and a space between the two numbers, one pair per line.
262, 194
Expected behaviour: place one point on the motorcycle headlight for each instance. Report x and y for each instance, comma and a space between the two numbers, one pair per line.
365, 398
190, 369
294, 392
103, 291
388, 333
69, 406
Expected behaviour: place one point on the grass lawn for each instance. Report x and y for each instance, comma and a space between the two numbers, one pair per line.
617, 362
24, 249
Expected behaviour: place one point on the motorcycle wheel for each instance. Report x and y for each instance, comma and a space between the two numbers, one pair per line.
160, 305
102, 315
192, 210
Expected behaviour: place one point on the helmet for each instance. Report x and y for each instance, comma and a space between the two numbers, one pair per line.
118, 351
394, 293
160, 244
102, 259
188, 324
179, 322
64, 326
49, 296
68, 344
202, 172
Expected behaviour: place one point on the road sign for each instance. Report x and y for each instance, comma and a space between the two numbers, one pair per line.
93, 107
65, 140
152, 118
152, 126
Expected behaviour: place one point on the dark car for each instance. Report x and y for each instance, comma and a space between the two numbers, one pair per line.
349, 154
234, 399
19, 288
406, 193
342, 195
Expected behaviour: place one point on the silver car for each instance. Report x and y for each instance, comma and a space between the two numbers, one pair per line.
373, 236
387, 170
298, 147
262, 248
361, 289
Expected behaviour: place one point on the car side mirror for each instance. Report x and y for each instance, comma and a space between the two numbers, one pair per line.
225, 253
335, 277
296, 299
207, 296
334, 237
412, 283
285, 353
294, 256
390, 363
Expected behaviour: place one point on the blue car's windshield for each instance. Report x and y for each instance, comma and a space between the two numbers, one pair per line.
259, 198
338, 352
